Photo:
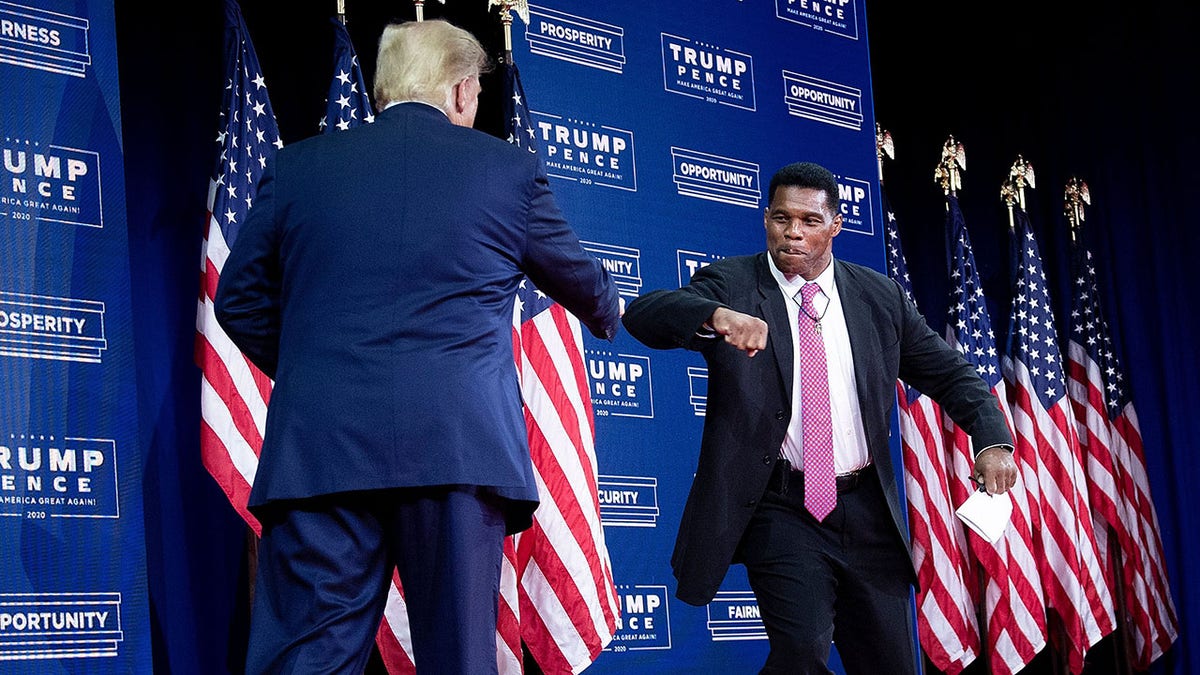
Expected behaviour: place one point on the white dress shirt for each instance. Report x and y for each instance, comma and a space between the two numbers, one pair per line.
849, 437
413, 100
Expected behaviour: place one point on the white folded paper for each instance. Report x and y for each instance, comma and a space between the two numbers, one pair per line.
988, 515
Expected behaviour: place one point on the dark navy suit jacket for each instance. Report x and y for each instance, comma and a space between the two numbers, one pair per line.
749, 399
374, 282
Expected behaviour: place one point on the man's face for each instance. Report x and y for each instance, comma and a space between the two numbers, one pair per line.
800, 231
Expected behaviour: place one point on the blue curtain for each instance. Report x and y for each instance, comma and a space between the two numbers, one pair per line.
170, 87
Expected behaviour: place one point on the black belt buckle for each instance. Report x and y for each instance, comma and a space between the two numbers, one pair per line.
847, 482
782, 475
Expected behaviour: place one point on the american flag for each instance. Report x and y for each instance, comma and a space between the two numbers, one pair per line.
566, 600
1120, 493
234, 393
1013, 608
946, 623
348, 103
1075, 588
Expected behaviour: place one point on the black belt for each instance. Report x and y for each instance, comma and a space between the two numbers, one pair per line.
783, 475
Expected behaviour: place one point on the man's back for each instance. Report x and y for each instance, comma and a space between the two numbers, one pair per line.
400, 248
375, 280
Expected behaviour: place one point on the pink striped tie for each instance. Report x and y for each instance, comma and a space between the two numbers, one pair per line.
820, 481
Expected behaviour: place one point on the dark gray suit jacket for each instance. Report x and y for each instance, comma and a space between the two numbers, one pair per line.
749, 399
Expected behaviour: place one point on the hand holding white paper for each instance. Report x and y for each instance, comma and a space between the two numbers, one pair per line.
987, 514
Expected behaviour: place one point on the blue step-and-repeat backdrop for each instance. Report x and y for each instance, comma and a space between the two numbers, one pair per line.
661, 124
72, 551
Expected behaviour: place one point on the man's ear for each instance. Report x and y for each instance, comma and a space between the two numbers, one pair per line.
459, 96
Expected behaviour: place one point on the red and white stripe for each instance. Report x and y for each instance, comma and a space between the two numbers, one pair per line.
510, 660
946, 623
1111, 493
568, 598
1072, 576
1013, 606
1085, 386
234, 393
1160, 607
393, 637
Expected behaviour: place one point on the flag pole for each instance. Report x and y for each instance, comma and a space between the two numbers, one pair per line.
341, 11
1022, 174
506, 20
1075, 198
506, 11
420, 5
1008, 192
1012, 190
948, 172
883, 146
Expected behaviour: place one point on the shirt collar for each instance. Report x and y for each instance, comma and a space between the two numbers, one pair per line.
396, 103
792, 286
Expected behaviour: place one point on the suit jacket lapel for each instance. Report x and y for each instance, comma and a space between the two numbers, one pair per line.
860, 325
774, 312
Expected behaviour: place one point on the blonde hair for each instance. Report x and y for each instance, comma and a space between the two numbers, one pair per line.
423, 60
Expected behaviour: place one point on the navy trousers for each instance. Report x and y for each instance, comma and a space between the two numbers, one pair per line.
845, 580
325, 566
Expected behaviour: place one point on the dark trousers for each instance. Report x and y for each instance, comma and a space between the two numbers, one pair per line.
325, 565
846, 580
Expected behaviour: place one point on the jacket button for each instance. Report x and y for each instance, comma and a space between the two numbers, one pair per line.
779, 414
767, 459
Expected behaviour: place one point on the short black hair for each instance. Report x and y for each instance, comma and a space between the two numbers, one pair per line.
806, 175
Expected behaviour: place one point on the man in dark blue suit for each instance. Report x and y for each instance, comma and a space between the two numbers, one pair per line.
374, 282
827, 561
